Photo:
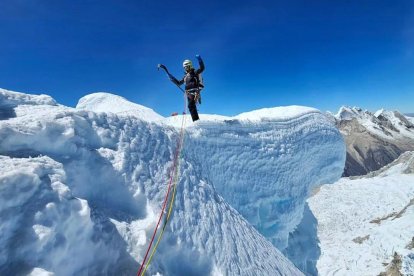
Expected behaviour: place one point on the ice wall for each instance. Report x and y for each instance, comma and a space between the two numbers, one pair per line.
265, 163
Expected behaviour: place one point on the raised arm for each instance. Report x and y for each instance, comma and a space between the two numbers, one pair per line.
201, 63
174, 80
171, 77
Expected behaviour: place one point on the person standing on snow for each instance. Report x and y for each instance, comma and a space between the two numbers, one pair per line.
193, 84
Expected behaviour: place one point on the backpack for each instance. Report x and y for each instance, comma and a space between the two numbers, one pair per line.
200, 87
199, 79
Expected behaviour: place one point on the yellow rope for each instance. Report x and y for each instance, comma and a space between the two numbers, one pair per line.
172, 198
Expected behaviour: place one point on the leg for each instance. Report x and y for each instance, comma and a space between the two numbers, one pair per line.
192, 107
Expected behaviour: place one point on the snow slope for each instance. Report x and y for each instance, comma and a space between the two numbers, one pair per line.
75, 183
369, 219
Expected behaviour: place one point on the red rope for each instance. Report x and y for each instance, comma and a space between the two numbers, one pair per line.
177, 152
162, 212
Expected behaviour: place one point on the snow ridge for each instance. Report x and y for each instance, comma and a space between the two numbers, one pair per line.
10, 98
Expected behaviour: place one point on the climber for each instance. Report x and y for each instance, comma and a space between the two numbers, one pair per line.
193, 84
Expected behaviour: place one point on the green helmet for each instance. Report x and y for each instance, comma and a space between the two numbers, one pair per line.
187, 64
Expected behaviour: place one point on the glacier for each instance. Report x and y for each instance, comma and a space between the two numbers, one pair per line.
81, 188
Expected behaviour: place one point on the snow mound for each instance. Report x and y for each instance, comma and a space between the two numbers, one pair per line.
369, 219
281, 113
43, 224
40, 272
106, 102
241, 191
10, 98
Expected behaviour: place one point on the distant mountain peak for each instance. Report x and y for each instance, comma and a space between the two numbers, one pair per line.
348, 113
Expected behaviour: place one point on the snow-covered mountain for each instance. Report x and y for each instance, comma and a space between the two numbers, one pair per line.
81, 188
369, 225
373, 140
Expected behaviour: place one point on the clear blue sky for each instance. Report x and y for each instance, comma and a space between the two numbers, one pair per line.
257, 53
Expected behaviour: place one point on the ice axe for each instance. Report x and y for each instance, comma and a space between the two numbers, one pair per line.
171, 77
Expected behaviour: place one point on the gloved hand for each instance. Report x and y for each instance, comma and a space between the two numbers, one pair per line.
198, 57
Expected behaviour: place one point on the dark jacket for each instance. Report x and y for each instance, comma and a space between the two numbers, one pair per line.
191, 79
